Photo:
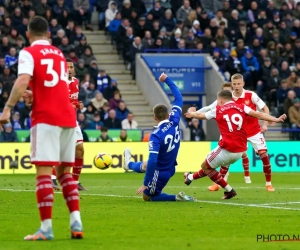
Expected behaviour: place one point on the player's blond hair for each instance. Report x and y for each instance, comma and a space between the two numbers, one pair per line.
226, 85
237, 76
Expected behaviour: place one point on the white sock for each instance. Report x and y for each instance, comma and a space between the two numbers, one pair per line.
77, 182
75, 216
226, 176
227, 188
46, 224
53, 177
268, 183
190, 177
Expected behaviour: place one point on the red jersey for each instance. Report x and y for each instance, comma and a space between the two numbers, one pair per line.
252, 100
232, 122
73, 91
49, 76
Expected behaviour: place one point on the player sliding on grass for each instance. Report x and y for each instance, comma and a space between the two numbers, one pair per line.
245, 159
79, 151
164, 144
232, 122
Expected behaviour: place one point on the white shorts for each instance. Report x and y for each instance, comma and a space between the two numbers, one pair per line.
258, 142
221, 157
79, 136
52, 145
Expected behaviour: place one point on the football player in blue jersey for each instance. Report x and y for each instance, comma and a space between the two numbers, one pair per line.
164, 144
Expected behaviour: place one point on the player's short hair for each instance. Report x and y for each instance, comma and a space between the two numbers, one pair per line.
237, 76
69, 60
225, 94
38, 26
160, 112
226, 85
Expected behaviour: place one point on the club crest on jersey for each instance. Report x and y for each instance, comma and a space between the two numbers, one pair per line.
247, 102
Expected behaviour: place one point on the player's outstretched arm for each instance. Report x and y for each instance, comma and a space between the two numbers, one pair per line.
200, 116
267, 117
208, 108
178, 101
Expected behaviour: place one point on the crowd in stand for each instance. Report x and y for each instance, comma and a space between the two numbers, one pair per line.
104, 107
260, 39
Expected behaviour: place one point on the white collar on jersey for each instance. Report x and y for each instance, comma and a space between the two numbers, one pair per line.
242, 96
229, 102
162, 122
71, 80
40, 42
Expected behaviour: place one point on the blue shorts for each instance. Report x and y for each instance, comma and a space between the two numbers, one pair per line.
159, 181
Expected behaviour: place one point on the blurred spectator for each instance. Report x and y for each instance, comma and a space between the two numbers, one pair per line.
7, 77
112, 122
104, 136
8, 135
288, 102
157, 12
250, 67
110, 13
167, 21
136, 48
148, 41
59, 7
89, 113
15, 121
96, 123
126, 9
88, 57
98, 100
81, 120
183, 12
90, 92
28, 122
108, 92
11, 58
103, 80
129, 122
197, 132
219, 18
80, 70
104, 110
123, 137
122, 111
282, 92
114, 102
41, 8
82, 12
84, 134
296, 88
294, 116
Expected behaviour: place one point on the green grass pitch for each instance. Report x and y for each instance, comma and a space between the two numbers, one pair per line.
115, 218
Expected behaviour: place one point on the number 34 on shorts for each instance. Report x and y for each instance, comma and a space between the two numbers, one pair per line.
258, 142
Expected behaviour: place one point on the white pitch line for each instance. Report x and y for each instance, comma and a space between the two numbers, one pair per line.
199, 201
282, 203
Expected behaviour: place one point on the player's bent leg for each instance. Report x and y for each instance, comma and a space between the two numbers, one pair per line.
245, 162
45, 199
138, 167
54, 182
79, 154
225, 174
71, 196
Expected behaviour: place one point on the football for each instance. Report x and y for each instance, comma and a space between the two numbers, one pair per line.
103, 161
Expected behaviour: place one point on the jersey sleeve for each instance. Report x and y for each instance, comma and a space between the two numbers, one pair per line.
175, 114
208, 108
211, 114
257, 101
154, 143
26, 63
247, 109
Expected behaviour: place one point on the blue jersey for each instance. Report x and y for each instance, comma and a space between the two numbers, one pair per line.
165, 141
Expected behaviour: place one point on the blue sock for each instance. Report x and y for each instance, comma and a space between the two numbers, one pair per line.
136, 166
164, 197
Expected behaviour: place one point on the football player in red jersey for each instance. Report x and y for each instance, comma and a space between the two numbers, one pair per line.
79, 151
224, 169
44, 68
254, 131
232, 122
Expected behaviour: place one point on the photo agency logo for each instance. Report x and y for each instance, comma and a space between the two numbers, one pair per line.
277, 237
